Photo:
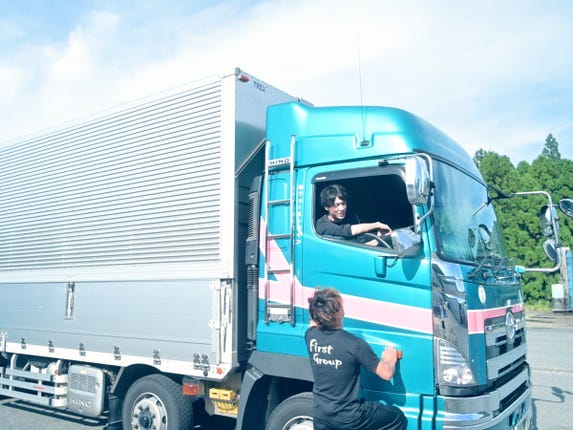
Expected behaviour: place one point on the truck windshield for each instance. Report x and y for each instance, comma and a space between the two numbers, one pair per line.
465, 222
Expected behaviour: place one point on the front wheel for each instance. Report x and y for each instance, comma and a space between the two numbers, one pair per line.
294, 413
156, 402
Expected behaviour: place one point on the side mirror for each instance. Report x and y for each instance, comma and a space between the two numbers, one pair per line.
550, 249
550, 229
566, 206
548, 217
417, 180
405, 242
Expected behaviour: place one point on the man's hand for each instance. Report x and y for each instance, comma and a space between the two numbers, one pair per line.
387, 365
383, 229
390, 355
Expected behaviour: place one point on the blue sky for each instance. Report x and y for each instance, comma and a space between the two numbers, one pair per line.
496, 75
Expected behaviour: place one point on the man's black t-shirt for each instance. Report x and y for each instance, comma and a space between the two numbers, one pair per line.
332, 228
336, 357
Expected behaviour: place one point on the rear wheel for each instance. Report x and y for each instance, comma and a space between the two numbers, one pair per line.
156, 402
294, 413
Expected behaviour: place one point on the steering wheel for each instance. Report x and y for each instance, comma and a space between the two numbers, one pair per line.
381, 242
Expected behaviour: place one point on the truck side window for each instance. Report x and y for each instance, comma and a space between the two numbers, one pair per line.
360, 200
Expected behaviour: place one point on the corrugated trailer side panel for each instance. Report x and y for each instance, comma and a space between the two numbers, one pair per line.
138, 187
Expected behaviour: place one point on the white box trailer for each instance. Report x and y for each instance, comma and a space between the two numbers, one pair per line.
119, 239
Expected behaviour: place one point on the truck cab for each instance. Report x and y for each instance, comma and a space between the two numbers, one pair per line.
440, 288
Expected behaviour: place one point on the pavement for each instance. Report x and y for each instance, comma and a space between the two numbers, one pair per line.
548, 318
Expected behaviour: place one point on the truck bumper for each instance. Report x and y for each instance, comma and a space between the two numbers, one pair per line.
507, 408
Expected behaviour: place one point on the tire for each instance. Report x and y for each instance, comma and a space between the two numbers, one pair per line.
156, 402
294, 413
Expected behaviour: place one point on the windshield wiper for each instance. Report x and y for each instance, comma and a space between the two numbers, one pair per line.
493, 264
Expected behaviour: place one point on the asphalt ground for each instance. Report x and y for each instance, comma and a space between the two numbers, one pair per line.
549, 352
541, 319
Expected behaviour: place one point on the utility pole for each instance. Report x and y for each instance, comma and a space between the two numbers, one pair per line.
566, 277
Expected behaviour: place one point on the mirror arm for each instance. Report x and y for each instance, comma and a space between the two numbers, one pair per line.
420, 220
522, 269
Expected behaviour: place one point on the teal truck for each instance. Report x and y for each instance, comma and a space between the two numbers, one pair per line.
156, 261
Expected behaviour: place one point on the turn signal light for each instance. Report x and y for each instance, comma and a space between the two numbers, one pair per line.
190, 388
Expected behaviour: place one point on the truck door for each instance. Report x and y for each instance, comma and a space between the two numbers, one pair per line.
387, 299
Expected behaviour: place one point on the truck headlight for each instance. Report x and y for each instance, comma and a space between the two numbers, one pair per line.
453, 368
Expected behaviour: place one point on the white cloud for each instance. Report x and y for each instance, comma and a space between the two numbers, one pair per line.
12, 79
490, 74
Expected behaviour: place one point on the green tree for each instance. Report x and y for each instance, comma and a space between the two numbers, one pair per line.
497, 170
551, 148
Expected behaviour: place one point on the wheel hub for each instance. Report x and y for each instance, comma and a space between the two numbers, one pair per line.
299, 423
149, 413
145, 419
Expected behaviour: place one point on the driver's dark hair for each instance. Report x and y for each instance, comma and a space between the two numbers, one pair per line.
329, 194
324, 308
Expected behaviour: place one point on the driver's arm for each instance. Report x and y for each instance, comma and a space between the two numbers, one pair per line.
365, 227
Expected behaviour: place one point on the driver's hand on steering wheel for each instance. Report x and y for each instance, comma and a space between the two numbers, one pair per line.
383, 230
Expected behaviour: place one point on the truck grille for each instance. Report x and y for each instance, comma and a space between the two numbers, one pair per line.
504, 354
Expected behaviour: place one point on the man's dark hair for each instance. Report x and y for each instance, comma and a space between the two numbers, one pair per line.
329, 194
324, 308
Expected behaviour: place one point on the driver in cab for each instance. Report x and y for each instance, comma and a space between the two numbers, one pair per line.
333, 199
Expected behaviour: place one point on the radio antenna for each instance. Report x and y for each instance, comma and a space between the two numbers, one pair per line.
365, 141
